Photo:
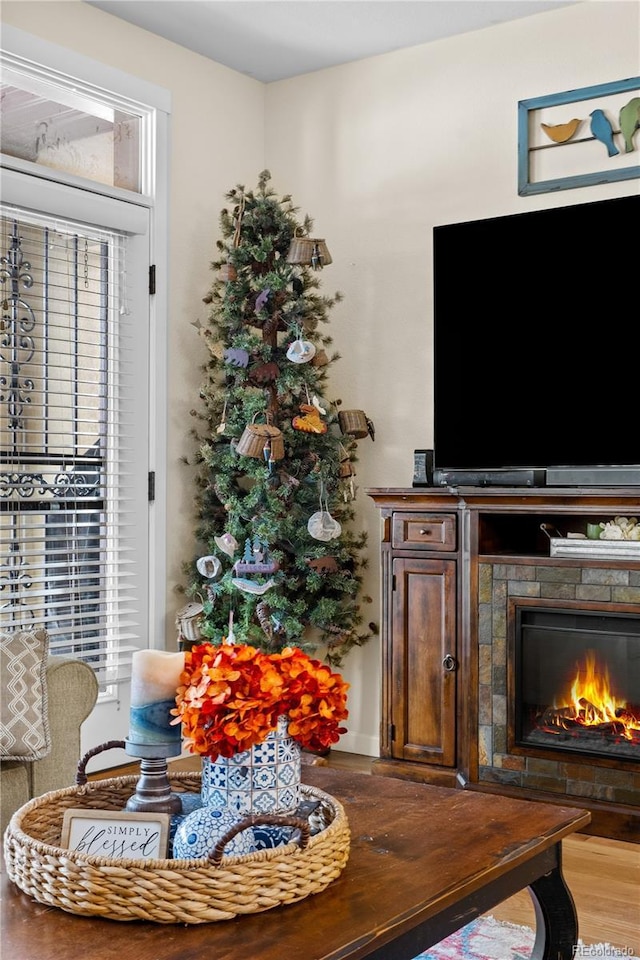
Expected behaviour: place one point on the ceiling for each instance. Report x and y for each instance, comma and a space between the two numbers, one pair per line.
277, 39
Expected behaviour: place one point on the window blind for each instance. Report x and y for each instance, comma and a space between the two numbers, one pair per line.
70, 461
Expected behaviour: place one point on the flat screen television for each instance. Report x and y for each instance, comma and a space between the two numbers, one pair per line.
537, 346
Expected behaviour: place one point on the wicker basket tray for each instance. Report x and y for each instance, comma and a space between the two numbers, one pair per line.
164, 891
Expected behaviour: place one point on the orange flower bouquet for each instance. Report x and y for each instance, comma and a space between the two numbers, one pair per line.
230, 697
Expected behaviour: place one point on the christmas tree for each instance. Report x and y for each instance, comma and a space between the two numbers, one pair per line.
280, 564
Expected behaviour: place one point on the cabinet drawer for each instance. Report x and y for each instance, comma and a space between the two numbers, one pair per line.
417, 531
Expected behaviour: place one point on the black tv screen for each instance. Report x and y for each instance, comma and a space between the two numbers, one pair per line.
537, 339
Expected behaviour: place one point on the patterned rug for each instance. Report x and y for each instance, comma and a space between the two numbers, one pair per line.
490, 939
484, 939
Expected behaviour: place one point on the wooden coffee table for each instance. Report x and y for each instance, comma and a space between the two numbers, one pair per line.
424, 862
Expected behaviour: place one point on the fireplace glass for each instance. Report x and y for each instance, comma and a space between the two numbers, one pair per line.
577, 682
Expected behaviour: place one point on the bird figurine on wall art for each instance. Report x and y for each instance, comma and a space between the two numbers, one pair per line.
561, 132
629, 122
603, 131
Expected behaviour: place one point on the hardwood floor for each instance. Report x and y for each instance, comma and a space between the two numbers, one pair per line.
603, 875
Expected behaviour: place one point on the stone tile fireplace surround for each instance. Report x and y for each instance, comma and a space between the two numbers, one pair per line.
571, 775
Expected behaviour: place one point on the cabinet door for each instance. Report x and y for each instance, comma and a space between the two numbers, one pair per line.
423, 658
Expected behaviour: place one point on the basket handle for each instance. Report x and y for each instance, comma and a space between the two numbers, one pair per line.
268, 418
81, 776
266, 819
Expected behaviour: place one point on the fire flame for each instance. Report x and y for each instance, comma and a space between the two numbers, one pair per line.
594, 703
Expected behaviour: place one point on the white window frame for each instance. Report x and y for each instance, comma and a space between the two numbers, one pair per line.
50, 60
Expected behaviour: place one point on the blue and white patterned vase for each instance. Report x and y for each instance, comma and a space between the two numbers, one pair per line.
262, 780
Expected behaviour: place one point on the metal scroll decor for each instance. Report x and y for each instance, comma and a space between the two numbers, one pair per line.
18, 322
53, 478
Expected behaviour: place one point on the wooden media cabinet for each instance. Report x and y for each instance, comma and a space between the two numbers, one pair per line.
457, 566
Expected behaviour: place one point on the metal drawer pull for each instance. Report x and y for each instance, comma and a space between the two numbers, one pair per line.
450, 663
425, 533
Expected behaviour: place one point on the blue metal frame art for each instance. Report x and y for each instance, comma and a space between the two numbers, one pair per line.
525, 187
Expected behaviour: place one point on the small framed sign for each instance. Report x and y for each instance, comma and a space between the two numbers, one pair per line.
117, 835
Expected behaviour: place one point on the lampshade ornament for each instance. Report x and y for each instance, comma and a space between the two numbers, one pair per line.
309, 252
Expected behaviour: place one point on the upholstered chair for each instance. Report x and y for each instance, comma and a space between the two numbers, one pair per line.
43, 702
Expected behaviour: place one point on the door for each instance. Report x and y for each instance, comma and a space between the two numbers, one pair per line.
74, 430
423, 687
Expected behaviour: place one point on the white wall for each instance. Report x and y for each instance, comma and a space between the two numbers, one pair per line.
377, 152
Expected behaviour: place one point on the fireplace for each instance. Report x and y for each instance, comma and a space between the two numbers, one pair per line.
539, 626
577, 682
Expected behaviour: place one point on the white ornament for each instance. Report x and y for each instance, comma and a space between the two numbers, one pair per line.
301, 351
208, 566
322, 526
